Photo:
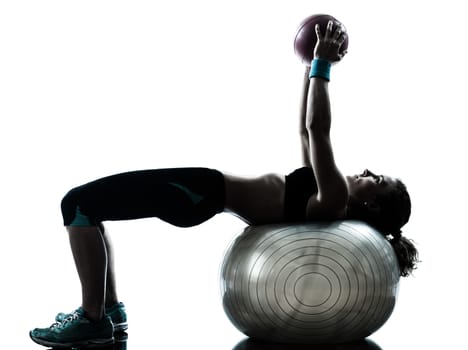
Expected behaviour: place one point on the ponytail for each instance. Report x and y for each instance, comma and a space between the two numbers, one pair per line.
406, 253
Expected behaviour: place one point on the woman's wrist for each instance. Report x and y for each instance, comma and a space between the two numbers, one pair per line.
320, 68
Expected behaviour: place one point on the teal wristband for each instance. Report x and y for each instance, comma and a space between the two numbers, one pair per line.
320, 68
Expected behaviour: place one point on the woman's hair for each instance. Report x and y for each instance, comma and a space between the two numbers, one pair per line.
394, 212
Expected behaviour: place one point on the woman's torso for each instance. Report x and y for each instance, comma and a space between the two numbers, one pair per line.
270, 198
258, 200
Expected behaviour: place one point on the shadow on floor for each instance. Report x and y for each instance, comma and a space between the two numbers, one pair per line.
251, 344
120, 343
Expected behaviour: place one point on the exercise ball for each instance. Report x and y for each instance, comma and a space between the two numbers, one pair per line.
310, 283
306, 37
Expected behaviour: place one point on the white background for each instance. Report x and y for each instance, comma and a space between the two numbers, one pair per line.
91, 88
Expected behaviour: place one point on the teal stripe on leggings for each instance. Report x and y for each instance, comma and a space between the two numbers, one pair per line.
80, 219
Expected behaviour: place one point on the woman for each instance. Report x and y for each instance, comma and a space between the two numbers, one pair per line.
189, 196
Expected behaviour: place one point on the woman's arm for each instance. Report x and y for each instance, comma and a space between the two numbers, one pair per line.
332, 195
332, 191
303, 132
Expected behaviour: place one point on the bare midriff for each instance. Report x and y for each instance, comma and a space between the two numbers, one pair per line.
258, 200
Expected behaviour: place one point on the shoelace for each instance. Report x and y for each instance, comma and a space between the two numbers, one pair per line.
74, 316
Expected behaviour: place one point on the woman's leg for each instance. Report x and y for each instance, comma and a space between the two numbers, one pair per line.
111, 290
94, 259
87, 326
91, 260
182, 197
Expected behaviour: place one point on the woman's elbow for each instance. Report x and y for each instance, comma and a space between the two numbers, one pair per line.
317, 126
318, 132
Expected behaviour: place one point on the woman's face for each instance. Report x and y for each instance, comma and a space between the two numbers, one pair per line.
367, 184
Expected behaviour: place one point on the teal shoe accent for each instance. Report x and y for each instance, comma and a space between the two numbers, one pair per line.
118, 316
116, 312
75, 331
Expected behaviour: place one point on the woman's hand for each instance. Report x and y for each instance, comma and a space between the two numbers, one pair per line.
329, 44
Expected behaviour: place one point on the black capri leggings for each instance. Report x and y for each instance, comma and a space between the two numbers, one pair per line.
183, 197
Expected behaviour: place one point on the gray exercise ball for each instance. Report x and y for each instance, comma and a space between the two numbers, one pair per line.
310, 283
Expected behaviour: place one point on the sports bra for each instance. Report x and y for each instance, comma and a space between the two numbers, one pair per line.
299, 186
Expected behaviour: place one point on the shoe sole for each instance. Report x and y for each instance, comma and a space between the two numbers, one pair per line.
90, 343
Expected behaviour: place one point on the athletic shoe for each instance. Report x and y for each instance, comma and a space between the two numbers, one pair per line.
116, 312
75, 331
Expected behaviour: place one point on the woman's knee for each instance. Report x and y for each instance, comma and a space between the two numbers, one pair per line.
73, 209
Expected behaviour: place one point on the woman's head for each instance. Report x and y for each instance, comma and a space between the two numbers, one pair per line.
380, 200
384, 203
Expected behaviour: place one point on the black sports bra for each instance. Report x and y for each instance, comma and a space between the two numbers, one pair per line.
299, 186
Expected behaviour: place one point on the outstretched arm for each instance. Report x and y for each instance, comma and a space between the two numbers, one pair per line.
331, 199
303, 132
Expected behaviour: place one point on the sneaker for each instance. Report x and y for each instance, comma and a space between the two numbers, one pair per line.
116, 312
74, 331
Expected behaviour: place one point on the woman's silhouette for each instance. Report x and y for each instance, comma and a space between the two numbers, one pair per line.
189, 196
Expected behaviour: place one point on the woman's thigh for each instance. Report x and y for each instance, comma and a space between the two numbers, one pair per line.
180, 196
